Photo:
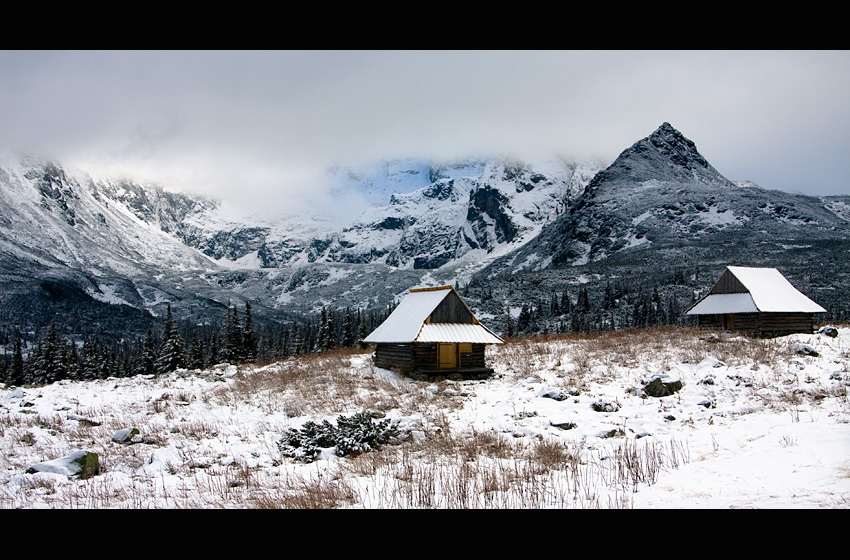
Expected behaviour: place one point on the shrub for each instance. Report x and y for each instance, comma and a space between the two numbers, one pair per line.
351, 435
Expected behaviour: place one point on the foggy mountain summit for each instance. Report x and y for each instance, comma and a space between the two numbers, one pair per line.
661, 193
121, 243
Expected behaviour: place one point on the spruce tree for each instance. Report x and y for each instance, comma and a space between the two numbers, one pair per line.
249, 343
362, 325
196, 352
509, 324
16, 371
583, 305
347, 329
324, 336
148, 361
233, 346
215, 349
44, 363
172, 354
566, 303
332, 330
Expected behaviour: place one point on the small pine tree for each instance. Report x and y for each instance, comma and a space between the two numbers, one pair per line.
148, 361
233, 343
510, 328
44, 362
16, 371
196, 352
363, 326
566, 303
348, 329
172, 354
324, 336
249, 343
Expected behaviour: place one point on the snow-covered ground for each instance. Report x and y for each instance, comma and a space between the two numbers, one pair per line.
563, 423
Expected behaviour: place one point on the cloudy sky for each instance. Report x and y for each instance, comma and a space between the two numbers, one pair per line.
261, 125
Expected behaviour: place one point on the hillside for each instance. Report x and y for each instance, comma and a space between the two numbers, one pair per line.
565, 422
661, 218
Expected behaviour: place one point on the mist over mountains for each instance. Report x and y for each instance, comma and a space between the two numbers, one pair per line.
525, 242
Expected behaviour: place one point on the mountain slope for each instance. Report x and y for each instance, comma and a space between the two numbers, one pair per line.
661, 194
124, 244
660, 221
68, 243
522, 229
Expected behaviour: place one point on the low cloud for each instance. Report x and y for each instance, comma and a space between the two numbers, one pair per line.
264, 126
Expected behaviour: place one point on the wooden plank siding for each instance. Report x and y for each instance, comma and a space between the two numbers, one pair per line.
423, 357
728, 284
474, 358
452, 310
761, 324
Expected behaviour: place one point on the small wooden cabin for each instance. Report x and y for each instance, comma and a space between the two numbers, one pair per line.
433, 332
758, 301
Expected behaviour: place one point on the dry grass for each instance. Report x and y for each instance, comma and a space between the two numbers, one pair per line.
440, 467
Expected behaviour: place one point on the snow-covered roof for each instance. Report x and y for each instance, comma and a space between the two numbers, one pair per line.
407, 322
714, 304
767, 291
455, 332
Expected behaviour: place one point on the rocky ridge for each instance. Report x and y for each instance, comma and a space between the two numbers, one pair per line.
501, 223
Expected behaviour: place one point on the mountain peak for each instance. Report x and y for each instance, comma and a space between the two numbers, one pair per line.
666, 155
672, 143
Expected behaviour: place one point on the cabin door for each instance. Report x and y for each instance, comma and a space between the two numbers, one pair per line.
729, 321
447, 355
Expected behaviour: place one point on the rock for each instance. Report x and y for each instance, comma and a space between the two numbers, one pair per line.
83, 420
804, 349
84, 464
615, 432
828, 331
605, 406
662, 386
552, 393
127, 435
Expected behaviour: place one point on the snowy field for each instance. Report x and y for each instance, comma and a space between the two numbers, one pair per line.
565, 422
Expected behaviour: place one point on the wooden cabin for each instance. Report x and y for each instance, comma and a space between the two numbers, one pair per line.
432, 332
757, 301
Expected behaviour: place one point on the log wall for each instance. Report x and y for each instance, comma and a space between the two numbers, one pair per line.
762, 324
474, 359
422, 356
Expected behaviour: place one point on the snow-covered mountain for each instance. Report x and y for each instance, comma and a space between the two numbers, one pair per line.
662, 216
116, 241
409, 214
659, 206
467, 213
662, 194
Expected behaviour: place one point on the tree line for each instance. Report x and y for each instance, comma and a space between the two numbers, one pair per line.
176, 345
611, 310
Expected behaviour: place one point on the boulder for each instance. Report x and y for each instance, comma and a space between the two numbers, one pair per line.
828, 331
605, 406
552, 393
662, 386
127, 435
84, 464
804, 349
